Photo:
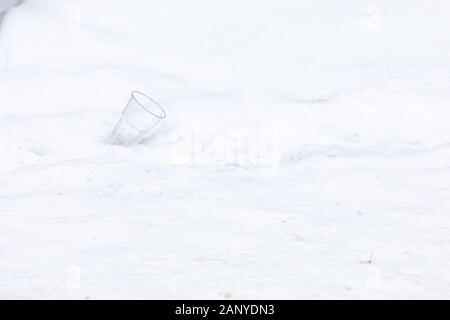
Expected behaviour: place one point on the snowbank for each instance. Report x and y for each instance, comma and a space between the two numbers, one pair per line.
336, 76
302, 138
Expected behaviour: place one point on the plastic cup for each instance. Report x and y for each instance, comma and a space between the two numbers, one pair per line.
139, 119
8, 4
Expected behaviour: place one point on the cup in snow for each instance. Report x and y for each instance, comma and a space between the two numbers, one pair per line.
139, 120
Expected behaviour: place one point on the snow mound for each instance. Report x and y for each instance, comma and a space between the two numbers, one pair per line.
313, 130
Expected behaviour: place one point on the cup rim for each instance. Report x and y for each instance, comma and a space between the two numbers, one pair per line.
133, 96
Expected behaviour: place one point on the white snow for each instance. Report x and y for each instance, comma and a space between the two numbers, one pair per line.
305, 153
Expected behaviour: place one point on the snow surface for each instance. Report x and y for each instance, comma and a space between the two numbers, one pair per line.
305, 154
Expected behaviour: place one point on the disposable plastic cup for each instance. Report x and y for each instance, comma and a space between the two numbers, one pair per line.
8, 4
139, 120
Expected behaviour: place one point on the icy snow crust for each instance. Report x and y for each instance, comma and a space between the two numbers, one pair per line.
305, 153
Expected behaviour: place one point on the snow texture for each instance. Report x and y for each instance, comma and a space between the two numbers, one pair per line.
305, 152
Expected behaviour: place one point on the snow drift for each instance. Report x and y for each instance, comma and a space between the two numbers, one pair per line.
306, 152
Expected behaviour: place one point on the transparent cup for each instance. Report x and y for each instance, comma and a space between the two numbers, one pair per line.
8, 4
139, 119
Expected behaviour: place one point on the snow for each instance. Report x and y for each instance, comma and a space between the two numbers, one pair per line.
304, 155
